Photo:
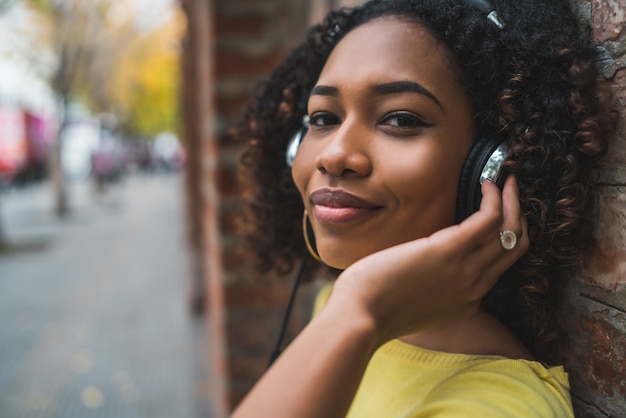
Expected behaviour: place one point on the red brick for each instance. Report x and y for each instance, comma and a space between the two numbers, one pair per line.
594, 349
248, 26
233, 63
230, 221
247, 367
608, 19
229, 106
606, 267
616, 156
228, 182
236, 259
237, 392
250, 295
208, 149
252, 330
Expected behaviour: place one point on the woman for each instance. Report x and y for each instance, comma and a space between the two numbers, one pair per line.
439, 309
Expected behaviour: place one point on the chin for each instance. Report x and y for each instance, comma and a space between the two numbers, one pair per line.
340, 258
335, 264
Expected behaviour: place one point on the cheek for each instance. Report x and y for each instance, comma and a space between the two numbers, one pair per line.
428, 189
431, 199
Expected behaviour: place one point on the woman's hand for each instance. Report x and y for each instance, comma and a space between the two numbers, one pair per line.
414, 286
397, 291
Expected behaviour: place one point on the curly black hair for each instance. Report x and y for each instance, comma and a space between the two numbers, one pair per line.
534, 82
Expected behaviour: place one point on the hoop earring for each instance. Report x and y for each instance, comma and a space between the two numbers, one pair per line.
305, 232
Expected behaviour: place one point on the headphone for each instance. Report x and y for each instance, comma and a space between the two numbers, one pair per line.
483, 162
294, 142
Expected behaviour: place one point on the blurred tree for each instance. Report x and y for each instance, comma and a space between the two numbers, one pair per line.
115, 57
143, 87
73, 30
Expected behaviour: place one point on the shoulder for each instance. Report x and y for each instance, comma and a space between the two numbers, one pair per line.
502, 387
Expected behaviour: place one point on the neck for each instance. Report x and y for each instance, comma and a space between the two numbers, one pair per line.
480, 334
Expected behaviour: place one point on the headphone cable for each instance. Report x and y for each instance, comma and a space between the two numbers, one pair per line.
283, 329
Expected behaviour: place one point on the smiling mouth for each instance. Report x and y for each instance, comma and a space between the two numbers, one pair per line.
338, 206
337, 215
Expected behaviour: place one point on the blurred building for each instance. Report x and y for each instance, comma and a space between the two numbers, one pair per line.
28, 115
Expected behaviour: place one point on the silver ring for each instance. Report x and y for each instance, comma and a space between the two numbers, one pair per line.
508, 239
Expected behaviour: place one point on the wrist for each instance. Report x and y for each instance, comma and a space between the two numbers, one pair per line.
346, 315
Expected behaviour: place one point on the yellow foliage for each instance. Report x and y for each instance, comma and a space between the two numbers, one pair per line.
118, 57
144, 83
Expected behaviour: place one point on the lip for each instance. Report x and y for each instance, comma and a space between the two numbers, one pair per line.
338, 206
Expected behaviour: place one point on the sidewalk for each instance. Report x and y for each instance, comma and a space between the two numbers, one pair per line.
94, 319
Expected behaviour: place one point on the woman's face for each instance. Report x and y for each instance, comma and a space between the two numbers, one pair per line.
390, 128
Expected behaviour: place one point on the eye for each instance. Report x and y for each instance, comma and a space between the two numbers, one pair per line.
321, 119
404, 120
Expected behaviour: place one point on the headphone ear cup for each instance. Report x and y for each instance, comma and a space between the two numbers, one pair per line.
469, 194
293, 145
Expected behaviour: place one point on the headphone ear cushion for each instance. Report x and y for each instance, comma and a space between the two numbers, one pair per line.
294, 144
469, 194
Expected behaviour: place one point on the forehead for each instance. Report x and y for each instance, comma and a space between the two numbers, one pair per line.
389, 49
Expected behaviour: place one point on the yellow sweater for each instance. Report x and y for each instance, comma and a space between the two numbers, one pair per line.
402, 380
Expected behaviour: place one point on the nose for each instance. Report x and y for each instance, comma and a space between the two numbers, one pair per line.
346, 152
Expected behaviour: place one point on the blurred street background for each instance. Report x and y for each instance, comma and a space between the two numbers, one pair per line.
93, 308
99, 316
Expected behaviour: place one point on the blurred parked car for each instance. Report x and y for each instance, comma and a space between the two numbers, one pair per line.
108, 159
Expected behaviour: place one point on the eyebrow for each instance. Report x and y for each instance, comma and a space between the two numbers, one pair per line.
324, 91
403, 87
393, 87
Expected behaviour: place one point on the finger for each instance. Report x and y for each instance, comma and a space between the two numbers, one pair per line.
485, 222
480, 227
511, 216
496, 261
492, 253
511, 207
507, 258
513, 229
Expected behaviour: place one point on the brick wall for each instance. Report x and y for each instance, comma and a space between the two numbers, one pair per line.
593, 311
202, 198
252, 38
236, 42
231, 44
